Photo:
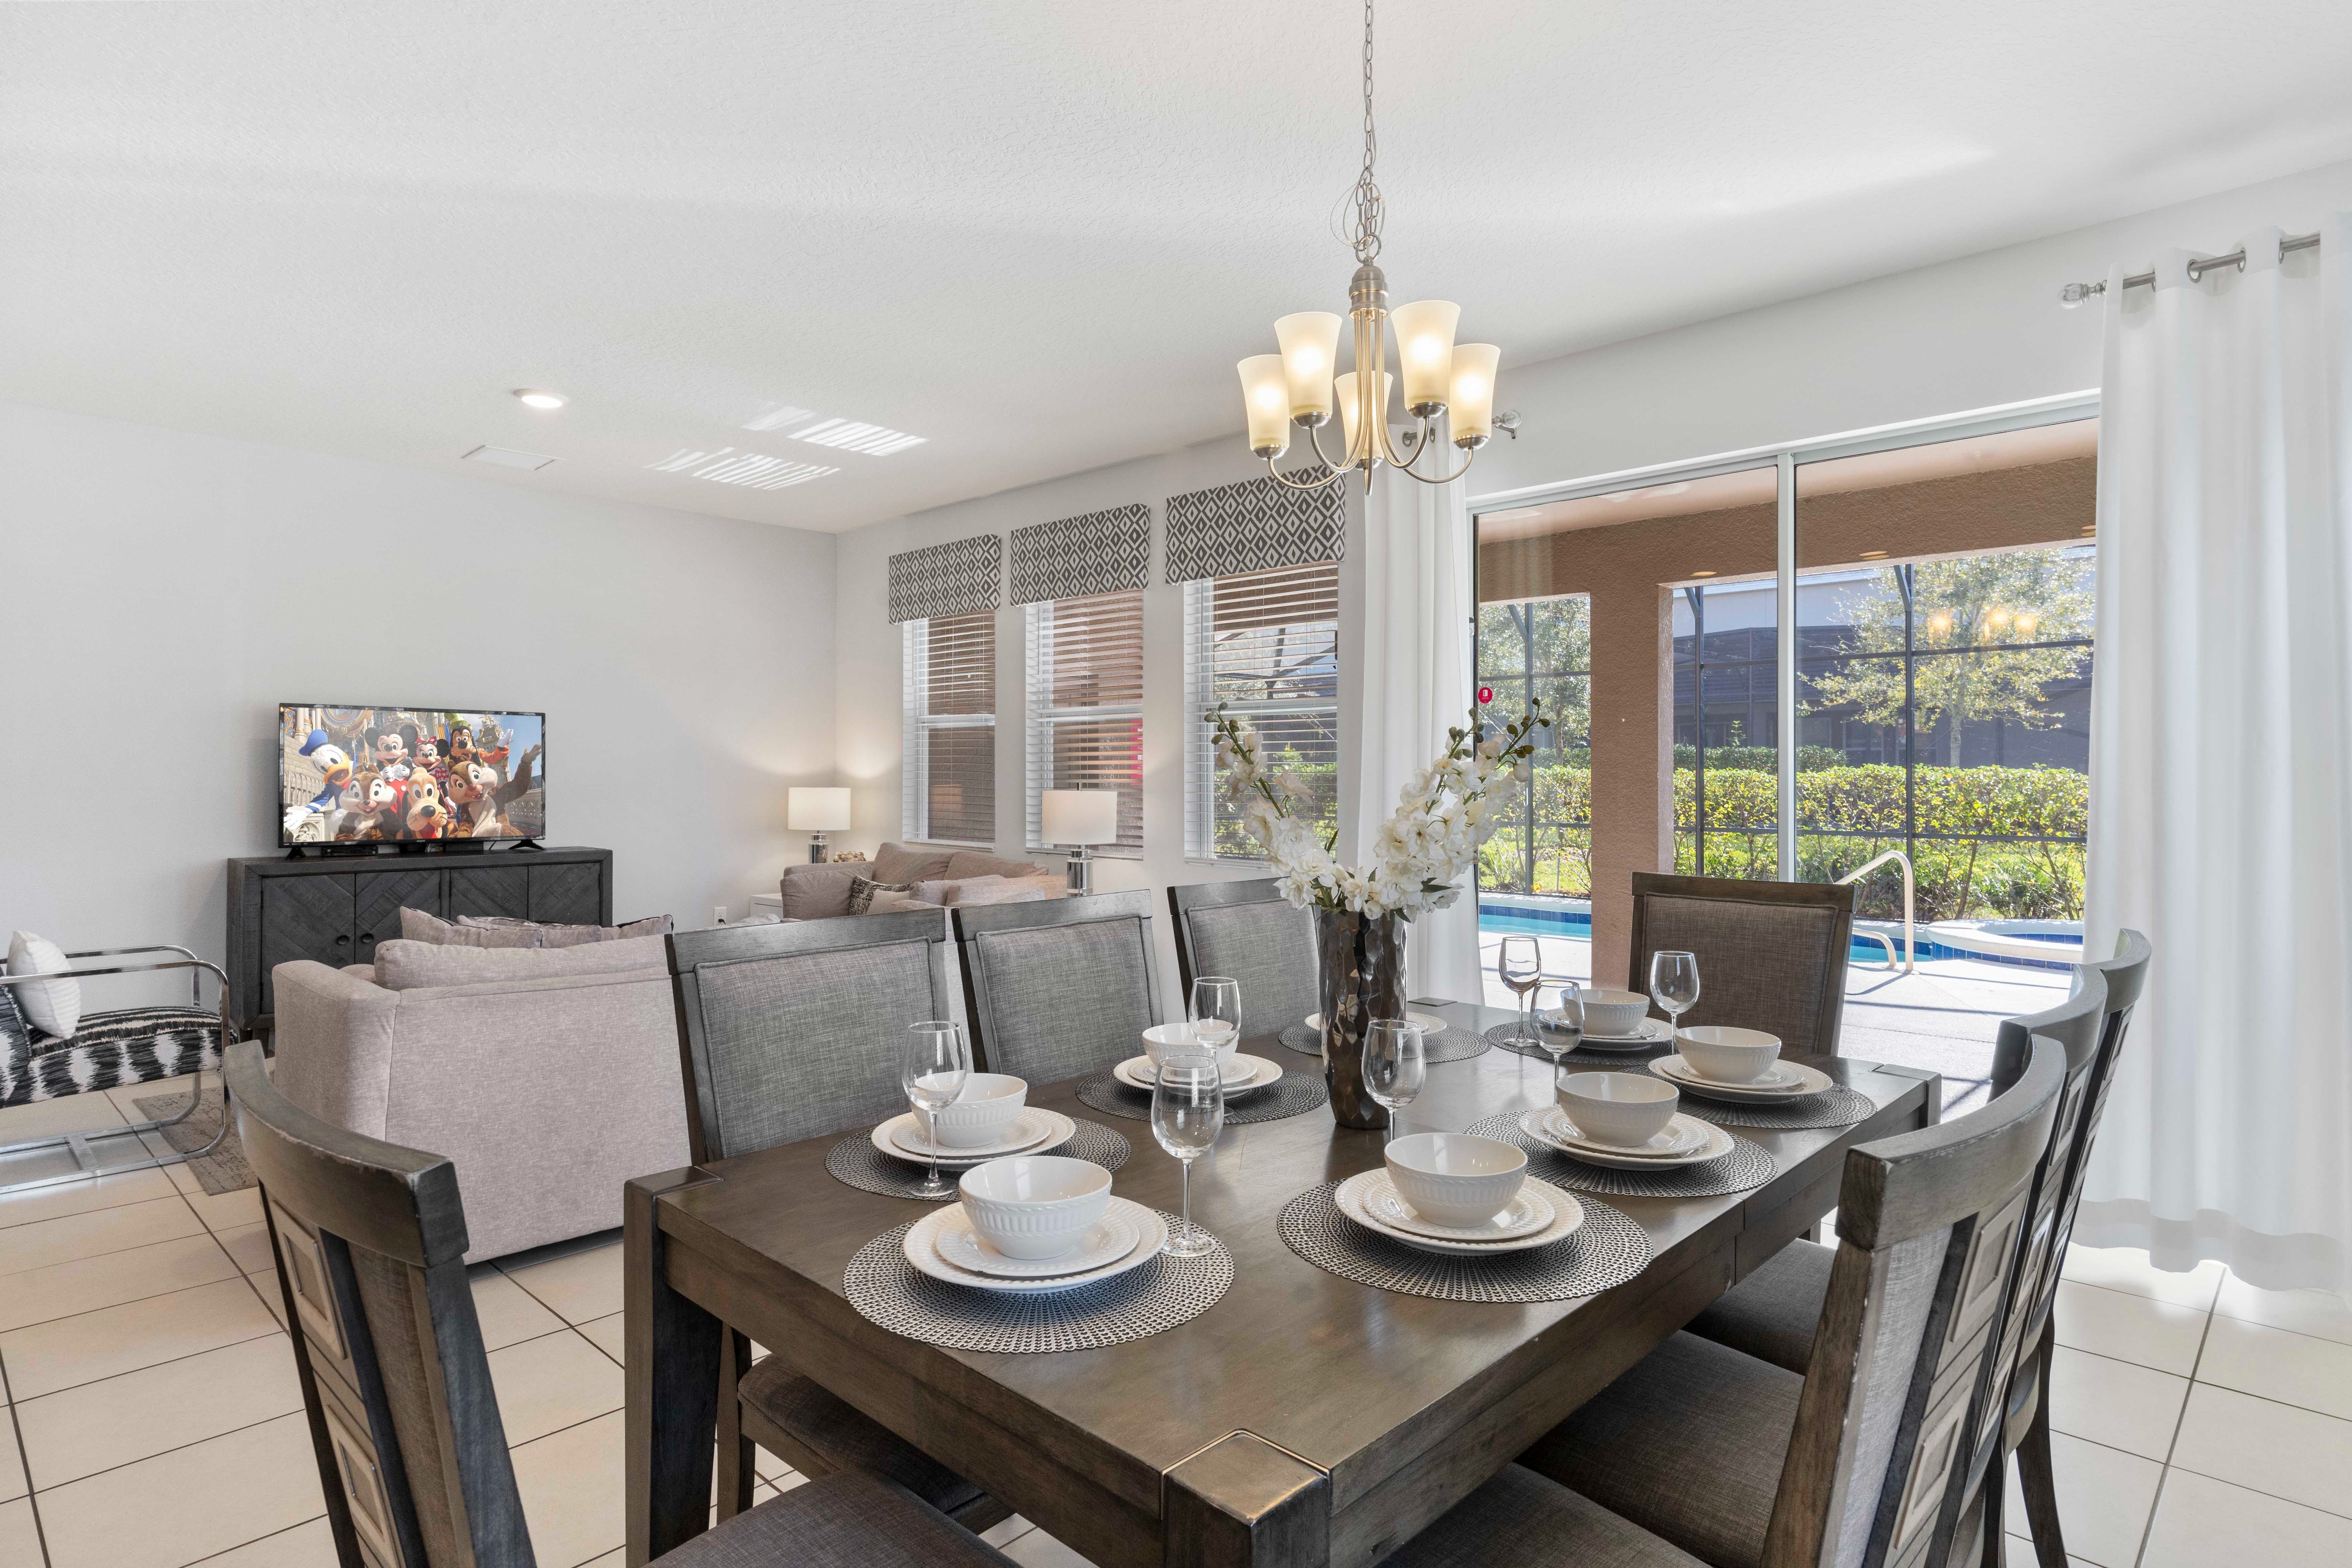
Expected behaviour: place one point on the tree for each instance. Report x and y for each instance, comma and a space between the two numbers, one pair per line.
1561, 629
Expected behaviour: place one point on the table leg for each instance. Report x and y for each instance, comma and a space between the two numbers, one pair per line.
737, 1467
1243, 1503
671, 1374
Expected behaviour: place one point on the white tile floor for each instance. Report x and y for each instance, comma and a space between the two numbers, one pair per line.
153, 1418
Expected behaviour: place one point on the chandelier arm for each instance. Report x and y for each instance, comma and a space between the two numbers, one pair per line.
1315, 439
1467, 458
1387, 446
1287, 482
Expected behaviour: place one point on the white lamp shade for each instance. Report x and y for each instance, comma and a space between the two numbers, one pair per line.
1473, 399
818, 810
1425, 334
1352, 416
1266, 397
1310, 352
1081, 817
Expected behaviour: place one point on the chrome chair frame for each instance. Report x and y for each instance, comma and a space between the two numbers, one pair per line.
86, 1162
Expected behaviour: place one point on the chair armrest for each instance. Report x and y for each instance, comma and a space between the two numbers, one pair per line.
334, 1040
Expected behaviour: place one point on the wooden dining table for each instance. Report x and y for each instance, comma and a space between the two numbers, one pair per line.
1303, 1419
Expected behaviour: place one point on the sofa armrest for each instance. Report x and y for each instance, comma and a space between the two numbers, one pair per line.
334, 1045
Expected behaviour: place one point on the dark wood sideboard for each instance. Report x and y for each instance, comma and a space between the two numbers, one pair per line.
336, 909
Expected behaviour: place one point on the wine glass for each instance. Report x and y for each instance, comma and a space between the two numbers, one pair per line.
1673, 983
1394, 1066
1519, 966
1564, 1037
1188, 1111
933, 1062
1215, 1011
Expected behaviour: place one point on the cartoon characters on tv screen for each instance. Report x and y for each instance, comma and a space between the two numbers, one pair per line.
393, 776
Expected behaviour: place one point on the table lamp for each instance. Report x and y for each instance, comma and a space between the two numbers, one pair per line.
1081, 817
817, 811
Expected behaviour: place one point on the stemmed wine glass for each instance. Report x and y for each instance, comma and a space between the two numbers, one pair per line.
1559, 1039
1188, 1111
1673, 985
933, 1062
1394, 1066
1215, 1010
1519, 966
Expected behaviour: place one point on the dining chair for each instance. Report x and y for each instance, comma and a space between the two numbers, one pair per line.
412, 1453
1701, 1454
1250, 932
1060, 987
1772, 955
788, 1032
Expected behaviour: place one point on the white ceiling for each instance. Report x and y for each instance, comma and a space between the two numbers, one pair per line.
1038, 234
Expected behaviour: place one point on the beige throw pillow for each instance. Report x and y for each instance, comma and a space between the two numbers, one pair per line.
863, 891
52, 1006
416, 925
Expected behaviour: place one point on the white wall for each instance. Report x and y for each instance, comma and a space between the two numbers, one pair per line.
163, 591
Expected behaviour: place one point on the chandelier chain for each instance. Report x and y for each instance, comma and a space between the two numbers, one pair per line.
1369, 208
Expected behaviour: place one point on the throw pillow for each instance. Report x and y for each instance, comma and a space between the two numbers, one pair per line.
897, 863
416, 925
547, 935
886, 901
862, 890
52, 1006
416, 966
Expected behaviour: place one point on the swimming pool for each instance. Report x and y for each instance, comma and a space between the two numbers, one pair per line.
1572, 921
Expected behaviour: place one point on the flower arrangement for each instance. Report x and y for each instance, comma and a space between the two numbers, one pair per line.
1423, 849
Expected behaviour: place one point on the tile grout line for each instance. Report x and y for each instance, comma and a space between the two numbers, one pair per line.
2147, 1528
24, 1463
175, 1448
256, 1539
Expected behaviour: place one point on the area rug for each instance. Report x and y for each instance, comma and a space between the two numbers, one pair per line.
222, 1171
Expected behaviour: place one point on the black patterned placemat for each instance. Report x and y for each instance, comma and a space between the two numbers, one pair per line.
1608, 1249
1836, 1106
1451, 1044
1746, 1166
1583, 1057
1298, 1093
1145, 1300
855, 1162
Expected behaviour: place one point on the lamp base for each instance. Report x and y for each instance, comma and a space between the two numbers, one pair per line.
817, 848
1079, 872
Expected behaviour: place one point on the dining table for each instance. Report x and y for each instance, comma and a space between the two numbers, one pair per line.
1303, 1419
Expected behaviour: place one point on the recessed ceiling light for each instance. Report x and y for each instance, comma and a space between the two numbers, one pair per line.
1874, 556
507, 458
1702, 574
531, 397
874, 440
728, 466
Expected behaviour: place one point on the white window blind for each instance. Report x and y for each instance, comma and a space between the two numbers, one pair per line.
1086, 706
1267, 644
950, 773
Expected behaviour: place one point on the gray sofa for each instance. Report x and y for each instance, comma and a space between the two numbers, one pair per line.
550, 1075
938, 877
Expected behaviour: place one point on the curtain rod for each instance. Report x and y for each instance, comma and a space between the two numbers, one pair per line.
2073, 294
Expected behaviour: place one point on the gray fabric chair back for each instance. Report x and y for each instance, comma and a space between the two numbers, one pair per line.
1059, 988
1772, 955
1250, 932
370, 1242
1930, 1228
790, 1031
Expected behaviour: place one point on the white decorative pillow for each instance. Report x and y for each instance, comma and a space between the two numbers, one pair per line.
53, 1007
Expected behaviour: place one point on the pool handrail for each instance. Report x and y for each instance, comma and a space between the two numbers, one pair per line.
1910, 937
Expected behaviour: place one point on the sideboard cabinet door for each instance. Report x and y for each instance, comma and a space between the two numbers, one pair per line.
305, 917
489, 890
382, 896
568, 893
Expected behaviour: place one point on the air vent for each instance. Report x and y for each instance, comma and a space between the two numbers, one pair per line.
507, 458
874, 440
729, 467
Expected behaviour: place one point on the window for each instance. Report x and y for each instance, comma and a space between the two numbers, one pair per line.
1267, 645
1542, 647
1086, 706
1727, 729
950, 788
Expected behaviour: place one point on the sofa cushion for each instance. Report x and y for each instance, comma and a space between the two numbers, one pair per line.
818, 892
52, 1005
547, 934
419, 965
897, 865
110, 1049
416, 925
968, 863
967, 892
863, 891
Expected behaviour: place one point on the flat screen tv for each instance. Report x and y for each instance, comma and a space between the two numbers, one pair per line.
409, 776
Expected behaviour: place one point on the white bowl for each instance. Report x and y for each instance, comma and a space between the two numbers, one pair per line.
1035, 1205
1454, 1178
1613, 1012
983, 1112
1727, 1054
1178, 1039
1625, 1110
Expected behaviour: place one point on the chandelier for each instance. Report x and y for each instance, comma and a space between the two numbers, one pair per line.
1441, 376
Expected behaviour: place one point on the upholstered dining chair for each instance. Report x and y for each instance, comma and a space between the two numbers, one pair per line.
789, 1032
1772, 955
1061, 987
1249, 932
412, 1454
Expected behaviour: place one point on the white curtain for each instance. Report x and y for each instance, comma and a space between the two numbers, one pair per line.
2221, 763
1416, 625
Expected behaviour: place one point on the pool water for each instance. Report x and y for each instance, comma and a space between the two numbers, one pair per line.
1576, 925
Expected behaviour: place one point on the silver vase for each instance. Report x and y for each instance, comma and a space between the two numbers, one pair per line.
1361, 959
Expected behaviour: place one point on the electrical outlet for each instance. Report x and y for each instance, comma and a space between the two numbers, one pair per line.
719, 914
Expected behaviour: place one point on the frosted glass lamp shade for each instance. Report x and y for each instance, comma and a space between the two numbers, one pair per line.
1473, 393
1082, 815
1425, 334
1310, 352
1352, 416
817, 810
1266, 394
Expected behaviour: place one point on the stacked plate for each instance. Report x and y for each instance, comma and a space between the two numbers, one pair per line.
1031, 1132
944, 1246
1430, 1024
1242, 1073
1650, 1033
1538, 1215
1685, 1141
1784, 1081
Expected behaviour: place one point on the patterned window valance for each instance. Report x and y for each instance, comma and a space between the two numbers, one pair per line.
952, 579
1253, 526
1099, 553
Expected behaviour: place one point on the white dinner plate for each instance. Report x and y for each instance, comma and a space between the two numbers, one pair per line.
1243, 1075
1112, 1237
1680, 1136
1032, 1131
1529, 1212
1718, 1143
1430, 1023
921, 1247
1652, 1032
1800, 1081
1567, 1217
